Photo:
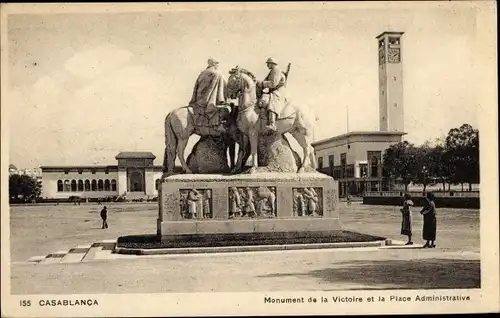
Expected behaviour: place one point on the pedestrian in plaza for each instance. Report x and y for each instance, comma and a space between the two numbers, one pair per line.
406, 224
429, 213
104, 217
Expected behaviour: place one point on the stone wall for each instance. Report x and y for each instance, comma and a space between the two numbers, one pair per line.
441, 202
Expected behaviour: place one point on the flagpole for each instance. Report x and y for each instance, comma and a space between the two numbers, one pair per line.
347, 117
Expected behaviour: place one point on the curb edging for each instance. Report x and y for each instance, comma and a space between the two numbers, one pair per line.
251, 248
72, 255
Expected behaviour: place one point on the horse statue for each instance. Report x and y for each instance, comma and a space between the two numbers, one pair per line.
180, 125
241, 85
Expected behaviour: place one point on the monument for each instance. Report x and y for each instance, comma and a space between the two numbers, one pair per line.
279, 195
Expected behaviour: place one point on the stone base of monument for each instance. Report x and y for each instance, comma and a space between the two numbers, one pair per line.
265, 208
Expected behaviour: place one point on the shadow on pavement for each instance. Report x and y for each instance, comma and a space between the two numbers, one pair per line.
400, 274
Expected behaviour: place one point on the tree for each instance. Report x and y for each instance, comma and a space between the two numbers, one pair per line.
442, 166
424, 172
400, 162
462, 145
25, 187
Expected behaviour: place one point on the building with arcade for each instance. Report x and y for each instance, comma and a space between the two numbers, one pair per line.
135, 176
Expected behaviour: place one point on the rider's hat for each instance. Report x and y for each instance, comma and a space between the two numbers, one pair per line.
234, 70
272, 61
212, 61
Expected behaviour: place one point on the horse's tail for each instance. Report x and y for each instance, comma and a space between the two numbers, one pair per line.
170, 145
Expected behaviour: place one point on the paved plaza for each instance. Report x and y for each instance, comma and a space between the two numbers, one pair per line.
40, 230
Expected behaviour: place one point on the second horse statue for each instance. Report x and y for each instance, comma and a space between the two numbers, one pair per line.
243, 124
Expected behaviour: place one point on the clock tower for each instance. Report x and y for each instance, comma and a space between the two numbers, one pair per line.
390, 75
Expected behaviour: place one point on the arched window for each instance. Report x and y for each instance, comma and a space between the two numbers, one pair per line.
107, 186
113, 185
374, 167
60, 187
94, 185
87, 185
73, 185
157, 185
80, 185
67, 186
100, 185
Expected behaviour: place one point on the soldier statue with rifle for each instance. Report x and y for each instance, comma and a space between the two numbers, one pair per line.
275, 99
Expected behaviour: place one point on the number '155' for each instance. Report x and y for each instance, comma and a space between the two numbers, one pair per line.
25, 303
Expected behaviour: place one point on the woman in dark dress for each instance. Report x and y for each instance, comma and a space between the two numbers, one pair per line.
406, 224
429, 213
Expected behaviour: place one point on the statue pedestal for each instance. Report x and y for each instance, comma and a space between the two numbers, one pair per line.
208, 156
250, 206
276, 154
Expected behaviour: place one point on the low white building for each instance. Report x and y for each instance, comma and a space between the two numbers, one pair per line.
32, 172
355, 159
135, 176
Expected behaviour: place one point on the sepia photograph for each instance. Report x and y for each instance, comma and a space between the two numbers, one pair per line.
249, 158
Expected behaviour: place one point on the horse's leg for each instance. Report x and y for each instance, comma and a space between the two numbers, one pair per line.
182, 127
181, 147
168, 160
170, 146
308, 129
304, 143
232, 154
226, 140
253, 136
246, 153
243, 154
312, 159
243, 142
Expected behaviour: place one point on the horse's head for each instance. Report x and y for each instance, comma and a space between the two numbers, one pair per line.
235, 84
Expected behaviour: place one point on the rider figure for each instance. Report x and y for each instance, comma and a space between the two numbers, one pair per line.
275, 83
209, 92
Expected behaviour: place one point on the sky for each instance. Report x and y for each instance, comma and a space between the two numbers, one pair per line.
83, 87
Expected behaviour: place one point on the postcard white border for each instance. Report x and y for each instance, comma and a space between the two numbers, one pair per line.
485, 299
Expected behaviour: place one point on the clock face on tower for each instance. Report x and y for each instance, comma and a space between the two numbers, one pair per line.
393, 55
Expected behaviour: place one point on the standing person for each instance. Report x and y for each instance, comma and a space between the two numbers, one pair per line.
406, 224
430, 222
104, 217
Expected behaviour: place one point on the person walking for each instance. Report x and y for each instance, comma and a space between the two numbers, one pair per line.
104, 217
430, 222
406, 224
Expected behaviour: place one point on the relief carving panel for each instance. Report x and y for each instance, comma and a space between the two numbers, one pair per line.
252, 202
308, 201
196, 203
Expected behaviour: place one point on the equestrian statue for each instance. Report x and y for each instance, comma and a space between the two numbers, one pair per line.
262, 109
